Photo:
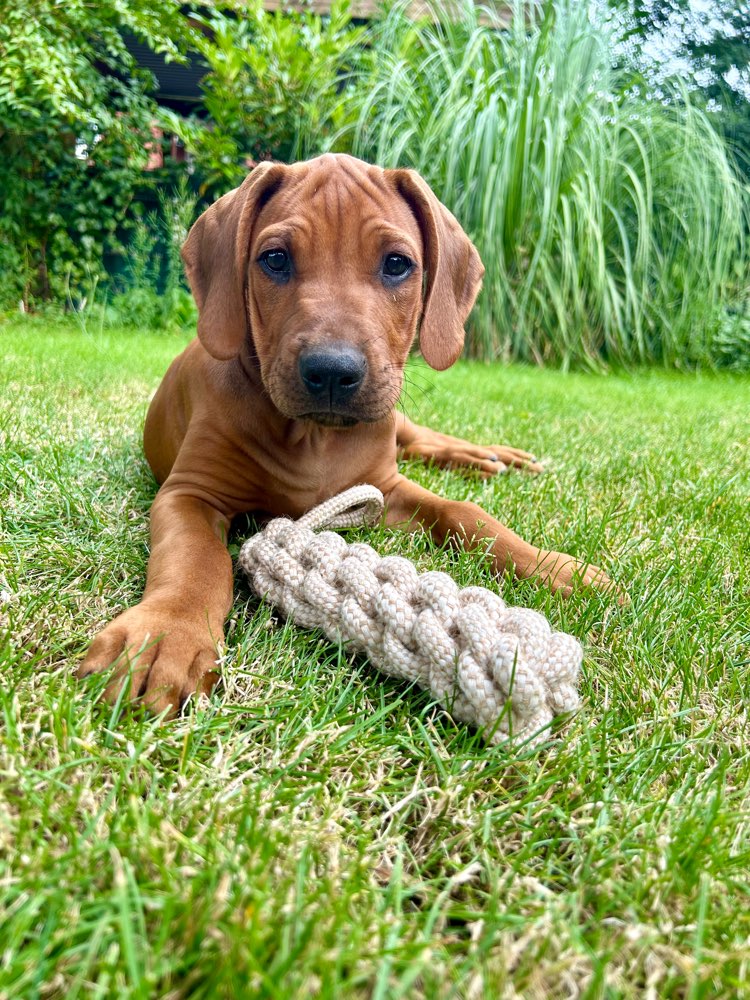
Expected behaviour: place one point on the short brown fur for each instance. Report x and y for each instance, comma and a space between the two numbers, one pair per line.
231, 427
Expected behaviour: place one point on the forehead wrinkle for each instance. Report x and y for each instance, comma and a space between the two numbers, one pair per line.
285, 230
328, 199
365, 187
383, 231
339, 186
358, 209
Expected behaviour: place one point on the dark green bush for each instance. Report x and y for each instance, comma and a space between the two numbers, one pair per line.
75, 115
154, 293
66, 189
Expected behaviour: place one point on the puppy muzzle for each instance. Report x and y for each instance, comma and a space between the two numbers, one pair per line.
331, 377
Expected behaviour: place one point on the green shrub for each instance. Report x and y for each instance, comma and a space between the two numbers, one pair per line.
610, 224
66, 189
75, 114
272, 78
153, 292
13, 275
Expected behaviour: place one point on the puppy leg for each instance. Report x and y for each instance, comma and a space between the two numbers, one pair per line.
410, 506
165, 648
415, 441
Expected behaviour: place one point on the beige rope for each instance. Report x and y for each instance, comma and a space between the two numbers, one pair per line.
500, 668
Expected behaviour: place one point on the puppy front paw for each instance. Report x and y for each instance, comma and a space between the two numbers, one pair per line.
155, 655
565, 574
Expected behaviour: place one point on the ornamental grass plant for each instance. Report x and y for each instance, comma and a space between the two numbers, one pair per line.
610, 222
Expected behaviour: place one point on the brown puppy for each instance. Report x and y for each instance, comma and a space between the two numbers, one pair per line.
309, 285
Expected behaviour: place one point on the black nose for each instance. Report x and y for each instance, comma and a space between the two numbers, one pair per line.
332, 374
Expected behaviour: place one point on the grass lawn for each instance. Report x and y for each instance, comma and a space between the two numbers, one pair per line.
318, 830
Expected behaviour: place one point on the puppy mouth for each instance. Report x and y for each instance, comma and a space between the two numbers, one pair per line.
331, 419
293, 404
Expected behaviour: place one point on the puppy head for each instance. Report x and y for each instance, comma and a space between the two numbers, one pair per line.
329, 267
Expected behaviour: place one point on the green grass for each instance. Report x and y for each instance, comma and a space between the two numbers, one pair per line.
317, 830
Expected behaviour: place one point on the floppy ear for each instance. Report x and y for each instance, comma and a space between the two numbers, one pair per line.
215, 255
454, 272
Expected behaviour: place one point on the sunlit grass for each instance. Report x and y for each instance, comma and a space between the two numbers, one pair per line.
319, 830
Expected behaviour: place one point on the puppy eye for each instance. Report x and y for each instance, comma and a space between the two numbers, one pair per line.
396, 265
276, 263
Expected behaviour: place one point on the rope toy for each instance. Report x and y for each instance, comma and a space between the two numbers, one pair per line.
502, 669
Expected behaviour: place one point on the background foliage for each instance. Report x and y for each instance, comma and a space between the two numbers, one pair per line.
611, 225
273, 82
606, 202
708, 44
75, 115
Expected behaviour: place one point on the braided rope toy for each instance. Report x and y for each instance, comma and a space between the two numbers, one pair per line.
503, 669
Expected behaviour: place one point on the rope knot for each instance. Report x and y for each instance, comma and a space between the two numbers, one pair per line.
503, 669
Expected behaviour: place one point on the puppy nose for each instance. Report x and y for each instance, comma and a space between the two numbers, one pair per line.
332, 373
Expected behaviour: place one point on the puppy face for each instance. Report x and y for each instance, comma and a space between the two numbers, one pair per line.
334, 293
328, 267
